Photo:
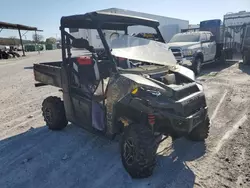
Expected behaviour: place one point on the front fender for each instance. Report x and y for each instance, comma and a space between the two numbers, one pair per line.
188, 73
198, 53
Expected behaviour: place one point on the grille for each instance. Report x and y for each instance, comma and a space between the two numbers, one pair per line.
176, 52
194, 105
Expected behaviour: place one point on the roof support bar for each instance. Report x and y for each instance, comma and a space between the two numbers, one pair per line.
106, 46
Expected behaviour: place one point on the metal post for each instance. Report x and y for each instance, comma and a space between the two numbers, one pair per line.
36, 42
160, 35
21, 41
107, 49
223, 32
63, 45
126, 31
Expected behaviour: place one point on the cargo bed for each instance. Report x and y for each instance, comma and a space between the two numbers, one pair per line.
48, 73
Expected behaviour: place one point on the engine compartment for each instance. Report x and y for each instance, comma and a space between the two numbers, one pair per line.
180, 85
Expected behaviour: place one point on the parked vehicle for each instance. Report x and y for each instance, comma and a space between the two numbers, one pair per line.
232, 25
203, 45
7, 52
197, 47
245, 44
135, 89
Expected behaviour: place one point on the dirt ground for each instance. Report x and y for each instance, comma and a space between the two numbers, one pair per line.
33, 156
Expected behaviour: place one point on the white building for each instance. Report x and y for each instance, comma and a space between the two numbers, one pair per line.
168, 26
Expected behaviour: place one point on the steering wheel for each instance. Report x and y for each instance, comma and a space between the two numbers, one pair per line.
101, 53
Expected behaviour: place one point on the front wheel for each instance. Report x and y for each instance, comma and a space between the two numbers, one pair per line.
138, 151
54, 113
197, 66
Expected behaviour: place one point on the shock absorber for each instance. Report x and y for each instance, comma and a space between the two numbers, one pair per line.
151, 119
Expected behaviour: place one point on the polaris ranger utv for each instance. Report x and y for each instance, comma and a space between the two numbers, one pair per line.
134, 89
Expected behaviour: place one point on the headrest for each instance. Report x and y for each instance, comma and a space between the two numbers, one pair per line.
80, 43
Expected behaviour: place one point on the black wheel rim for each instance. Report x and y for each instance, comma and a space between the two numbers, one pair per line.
48, 115
129, 151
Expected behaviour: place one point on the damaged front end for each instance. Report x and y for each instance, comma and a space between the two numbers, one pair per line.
154, 89
170, 102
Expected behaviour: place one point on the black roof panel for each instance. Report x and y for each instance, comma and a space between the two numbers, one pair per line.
109, 21
6, 25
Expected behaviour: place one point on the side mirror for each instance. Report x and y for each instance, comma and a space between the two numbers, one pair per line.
212, 38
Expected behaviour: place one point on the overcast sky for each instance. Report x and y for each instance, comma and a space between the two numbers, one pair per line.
46, 14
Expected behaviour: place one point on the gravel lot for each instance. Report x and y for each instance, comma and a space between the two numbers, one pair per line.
33, 156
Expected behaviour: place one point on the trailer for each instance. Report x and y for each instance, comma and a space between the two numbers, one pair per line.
245, 44
168, 27
232, 29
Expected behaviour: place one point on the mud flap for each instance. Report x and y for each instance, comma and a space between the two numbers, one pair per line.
98, 116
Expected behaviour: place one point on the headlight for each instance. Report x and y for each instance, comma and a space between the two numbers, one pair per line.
187, 52
154, 93
200, 86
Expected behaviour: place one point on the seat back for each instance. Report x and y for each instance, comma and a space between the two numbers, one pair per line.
85, 68
82, 43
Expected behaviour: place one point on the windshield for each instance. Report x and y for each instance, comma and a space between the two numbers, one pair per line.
140, 49
194, 37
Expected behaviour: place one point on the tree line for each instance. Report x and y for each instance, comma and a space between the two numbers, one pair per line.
36, 38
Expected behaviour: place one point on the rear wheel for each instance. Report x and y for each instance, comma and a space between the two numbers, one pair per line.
54, 113
200, 133
138, 151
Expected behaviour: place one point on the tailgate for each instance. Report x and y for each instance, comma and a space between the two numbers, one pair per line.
48, 73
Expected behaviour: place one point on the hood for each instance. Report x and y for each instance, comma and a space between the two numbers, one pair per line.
182, 44
142, 81
144, 50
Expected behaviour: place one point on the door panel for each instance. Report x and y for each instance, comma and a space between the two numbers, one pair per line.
204, 46
80, 94
211, 48
82, 110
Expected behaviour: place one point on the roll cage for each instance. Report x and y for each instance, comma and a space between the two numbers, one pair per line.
101, 21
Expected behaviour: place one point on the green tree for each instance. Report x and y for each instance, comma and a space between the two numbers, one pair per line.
51, 40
